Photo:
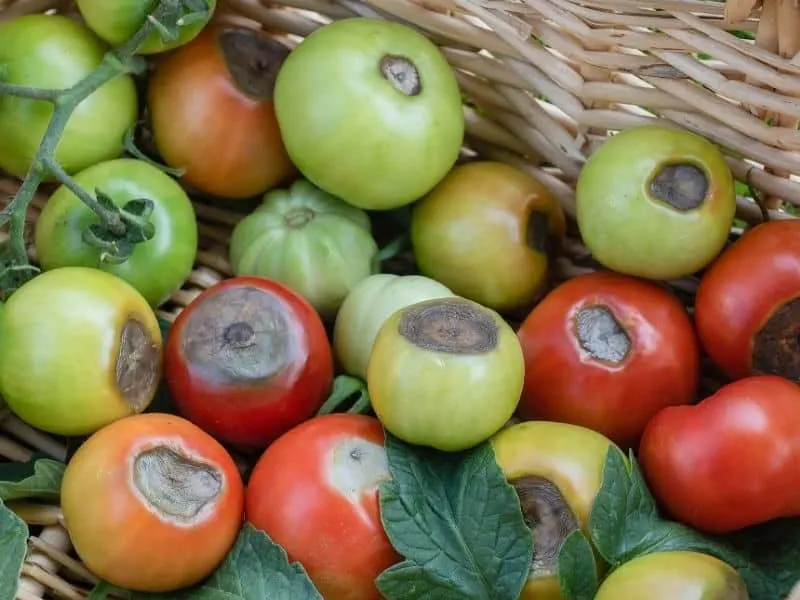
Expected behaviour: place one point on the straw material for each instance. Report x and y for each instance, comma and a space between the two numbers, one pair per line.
546, 81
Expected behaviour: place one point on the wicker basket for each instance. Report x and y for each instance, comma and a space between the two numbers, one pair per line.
546, 81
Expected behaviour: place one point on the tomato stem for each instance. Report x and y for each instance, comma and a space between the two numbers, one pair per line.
119, 61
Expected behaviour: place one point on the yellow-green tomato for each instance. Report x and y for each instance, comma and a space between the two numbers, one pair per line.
80, 348
673, 575
445, 373
368, 306
557, 471
308, 240
655, 201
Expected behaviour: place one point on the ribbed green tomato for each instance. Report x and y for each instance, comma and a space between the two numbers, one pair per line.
56, 52
117, 20
157, 267
308, 240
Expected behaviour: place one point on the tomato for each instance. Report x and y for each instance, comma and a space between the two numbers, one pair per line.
655, 201
314, 491
367, 307
119, 20
308, 240
557, 471
247, 360
607, 351
211, 112
673, 575
79, 348
56, 52
445, 373
152, 503
748, 303
749, 427
370, 111
157, 267
490, 233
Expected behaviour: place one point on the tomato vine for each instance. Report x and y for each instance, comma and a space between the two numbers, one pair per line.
120, 229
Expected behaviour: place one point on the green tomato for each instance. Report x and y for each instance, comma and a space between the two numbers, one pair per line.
367, 307
673, 575
655, 202
55, 52
79, 349
117, 20
445, 373
369, 110
308, 240
158, 266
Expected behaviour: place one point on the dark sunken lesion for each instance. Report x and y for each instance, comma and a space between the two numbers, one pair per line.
253, 60
402, 74
449, 325
239, 335
137, 368
683, 186
601, 335
776, 347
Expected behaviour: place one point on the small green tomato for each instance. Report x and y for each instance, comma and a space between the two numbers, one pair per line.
445, 373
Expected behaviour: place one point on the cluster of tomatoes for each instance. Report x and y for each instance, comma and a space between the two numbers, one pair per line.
366, 115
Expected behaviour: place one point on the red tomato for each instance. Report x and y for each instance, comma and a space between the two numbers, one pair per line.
748, 303
731, 461
152, 503
247, 360
315, 492
211, 112
607, 351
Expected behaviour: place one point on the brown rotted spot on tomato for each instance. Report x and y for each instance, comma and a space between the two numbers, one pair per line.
240, 335
540, 238
253, 60
357, 466
549, 518
402, 74
600, 334
682, 186
137, 367
175, 486
776, 346
449, 325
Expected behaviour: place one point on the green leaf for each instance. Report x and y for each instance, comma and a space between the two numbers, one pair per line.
457, 522
104, 590
256, 569
577, 568
14, 545
139, 207
37, 478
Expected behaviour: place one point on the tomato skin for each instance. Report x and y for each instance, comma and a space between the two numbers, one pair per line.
292, 496
219, 392
673, 575
116, 22
473, 234
227, 139
750, 427
157, 267
742, 289
123, 538
55, 52
59, 348
661, 369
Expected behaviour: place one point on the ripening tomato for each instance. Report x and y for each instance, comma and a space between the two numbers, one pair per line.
152, 503
247, 360
731, 461
747, 307
607, 351
315, 492
212, 114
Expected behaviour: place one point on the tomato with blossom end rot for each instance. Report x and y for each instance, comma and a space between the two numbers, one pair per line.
152, 503
607, 351
247, 360
314, 491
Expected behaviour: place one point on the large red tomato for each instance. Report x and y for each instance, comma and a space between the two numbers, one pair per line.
607, 351
315, 492
731, 461
747, 307
247, 360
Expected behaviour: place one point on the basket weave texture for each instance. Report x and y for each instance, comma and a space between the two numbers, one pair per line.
544, 82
